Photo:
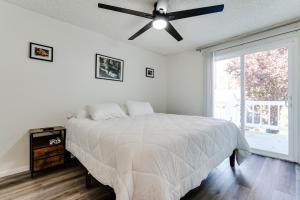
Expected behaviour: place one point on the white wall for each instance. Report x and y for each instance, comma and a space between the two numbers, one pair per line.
185, 83
38, 94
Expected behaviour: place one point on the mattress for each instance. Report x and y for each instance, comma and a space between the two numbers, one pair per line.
153, 157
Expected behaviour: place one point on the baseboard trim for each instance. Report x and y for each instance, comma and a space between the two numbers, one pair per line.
14, 171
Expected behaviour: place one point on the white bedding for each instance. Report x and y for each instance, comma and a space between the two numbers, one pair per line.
153, 157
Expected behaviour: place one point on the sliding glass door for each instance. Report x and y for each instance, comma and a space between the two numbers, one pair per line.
266, 100
252, 89
227, 90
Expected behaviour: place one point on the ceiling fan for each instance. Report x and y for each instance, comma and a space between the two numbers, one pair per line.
161, 19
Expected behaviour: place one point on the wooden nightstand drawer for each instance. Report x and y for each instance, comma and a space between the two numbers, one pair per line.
47, 148
48, 151
48, 162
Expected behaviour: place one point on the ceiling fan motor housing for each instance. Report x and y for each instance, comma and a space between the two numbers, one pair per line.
162, 6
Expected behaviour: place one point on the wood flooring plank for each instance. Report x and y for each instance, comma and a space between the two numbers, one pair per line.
264, 185
40, 184
297, 181
216, 187
247, 172
258, 178
278, 195
237, 192
287, 178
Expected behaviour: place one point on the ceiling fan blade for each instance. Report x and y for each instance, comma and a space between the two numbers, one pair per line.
170, 29
125, 10
141, 31
195, 12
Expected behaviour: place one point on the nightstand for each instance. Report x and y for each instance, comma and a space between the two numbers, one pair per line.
47, 148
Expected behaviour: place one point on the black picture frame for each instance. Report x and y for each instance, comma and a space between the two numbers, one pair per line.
44, 48
149, 72
116, 68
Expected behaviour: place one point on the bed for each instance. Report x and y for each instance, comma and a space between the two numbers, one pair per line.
153, 157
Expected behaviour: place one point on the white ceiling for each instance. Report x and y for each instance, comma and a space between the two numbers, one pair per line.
239, 16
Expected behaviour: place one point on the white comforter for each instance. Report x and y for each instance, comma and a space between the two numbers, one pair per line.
154, 157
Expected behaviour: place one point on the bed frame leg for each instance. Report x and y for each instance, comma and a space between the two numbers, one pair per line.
67, 158
88, 179
232, 159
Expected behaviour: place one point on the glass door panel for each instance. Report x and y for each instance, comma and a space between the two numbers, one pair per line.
266, 100
252, 90
227, 90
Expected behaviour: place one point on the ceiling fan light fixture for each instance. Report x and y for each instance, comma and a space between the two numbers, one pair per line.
161, 18
159, 23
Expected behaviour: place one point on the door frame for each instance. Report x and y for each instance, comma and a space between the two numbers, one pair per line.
292, 45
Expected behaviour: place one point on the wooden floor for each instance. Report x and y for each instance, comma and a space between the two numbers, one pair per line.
258, 178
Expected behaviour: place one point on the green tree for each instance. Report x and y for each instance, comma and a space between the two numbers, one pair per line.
266, 75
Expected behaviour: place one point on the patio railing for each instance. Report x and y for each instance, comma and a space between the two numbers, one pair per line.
270, 115
266, 114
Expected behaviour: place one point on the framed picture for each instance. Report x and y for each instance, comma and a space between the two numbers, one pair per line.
40, 52
150, 72
109, 68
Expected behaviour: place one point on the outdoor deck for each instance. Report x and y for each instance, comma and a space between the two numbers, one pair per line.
268, 142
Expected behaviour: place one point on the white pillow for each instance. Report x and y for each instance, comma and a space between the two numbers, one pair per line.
136, 108
82, 114
105, 111
124, 108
